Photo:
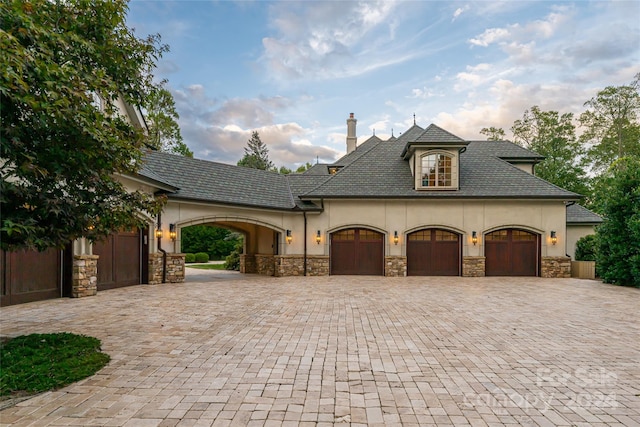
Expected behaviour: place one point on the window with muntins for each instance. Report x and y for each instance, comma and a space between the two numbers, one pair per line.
436, 170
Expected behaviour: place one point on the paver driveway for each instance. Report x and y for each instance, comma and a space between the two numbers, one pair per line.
360, 350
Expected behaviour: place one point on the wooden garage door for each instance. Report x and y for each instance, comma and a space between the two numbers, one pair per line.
119, 262
433, 252
357, 251
511, 253
30, 276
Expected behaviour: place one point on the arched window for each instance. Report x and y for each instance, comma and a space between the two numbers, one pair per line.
436, 170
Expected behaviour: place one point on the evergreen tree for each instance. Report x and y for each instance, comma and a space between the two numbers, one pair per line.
256, 154
493, 133
164, 131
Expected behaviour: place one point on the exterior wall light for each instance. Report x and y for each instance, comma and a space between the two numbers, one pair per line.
474, 238
318, 237
172, 232
289, 238
395, 238
554, 238
159, 232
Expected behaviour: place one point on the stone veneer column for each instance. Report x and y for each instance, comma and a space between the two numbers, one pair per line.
155, 268
293, 265
318, 265
175, 268
248, 264
473, 266
395, 266
265, 265
556, 267
85, 276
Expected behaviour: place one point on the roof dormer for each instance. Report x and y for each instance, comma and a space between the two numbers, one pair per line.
434, 159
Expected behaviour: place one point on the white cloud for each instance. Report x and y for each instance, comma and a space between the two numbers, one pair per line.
490, 36
459, 11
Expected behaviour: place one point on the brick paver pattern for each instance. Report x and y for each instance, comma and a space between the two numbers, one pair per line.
261, 351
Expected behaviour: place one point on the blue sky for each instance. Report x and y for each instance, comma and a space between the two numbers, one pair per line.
294, 70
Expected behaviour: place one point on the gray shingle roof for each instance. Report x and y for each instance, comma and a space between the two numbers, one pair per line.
577, 214
435, 134
218, 182
374, 170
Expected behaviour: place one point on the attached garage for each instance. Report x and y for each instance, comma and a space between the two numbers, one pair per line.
122, 260
357, 251
28, 276
512, 252
433, 252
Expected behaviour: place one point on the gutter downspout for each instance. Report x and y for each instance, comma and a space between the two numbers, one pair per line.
164, 254
305, 242
571, 203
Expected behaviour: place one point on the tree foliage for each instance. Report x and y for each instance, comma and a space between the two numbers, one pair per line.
553, 135
256, 154
60, 148
304, 168
612, 124
618, 253
217, 242
493, 133
164, 132
586, 248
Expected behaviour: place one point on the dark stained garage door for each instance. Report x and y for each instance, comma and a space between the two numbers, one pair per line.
511, 252
357, 251
120, 259
433, 252
30, 276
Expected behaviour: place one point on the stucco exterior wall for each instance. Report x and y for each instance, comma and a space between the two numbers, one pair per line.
575, 233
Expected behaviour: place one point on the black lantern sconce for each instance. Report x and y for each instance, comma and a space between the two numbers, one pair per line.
395, 238
474, 238
318, 237
172, 232
289, 238
554, 238
159, 232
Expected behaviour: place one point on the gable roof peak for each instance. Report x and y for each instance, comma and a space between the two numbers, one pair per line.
435, 134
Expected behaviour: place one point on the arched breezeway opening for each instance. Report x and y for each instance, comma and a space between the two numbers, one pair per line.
512, 252
433, 252
357, 251
261, 241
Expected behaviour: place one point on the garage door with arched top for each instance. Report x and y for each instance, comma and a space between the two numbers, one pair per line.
433, 252
511, 252
122, 260
357, 251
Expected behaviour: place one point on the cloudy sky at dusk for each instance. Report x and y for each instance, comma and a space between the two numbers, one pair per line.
294, 70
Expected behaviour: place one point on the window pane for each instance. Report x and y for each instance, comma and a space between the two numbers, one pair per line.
497, 235
436, 170
370, 235
423, 235
344, 235
523, 235
442, 235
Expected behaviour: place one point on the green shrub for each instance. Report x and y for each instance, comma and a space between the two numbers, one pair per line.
586, 248
202, 257
232, 262
189, 258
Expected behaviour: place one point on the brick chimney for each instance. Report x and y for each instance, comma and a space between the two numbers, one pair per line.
352, 139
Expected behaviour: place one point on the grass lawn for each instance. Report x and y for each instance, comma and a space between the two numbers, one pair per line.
39, 362
206, 266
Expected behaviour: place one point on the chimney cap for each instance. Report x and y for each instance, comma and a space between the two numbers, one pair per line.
351, 115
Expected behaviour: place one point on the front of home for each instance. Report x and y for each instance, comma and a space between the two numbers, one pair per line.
425, 203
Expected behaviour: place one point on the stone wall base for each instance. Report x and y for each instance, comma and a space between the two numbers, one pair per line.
248, 264
293, 265
558, 267
84, 281
265, 264
395, 266
175, 268
473, 266
155, 268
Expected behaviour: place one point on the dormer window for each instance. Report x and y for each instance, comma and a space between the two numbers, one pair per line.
436, 170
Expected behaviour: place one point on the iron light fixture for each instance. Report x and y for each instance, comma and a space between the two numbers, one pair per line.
395, 238
172, 232
289, 238
159, 232
554, 238
318, 237
474, 238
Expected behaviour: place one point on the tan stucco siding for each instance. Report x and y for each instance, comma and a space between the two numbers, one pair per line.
575, 233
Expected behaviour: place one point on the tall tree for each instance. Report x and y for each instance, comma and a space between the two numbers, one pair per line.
164, 131
553, 135
612, 124
256, 154
60, 148
618, 237
493, 133
304, 168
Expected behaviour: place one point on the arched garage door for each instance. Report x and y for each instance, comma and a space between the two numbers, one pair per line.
433, 252
357, 251
511, 252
